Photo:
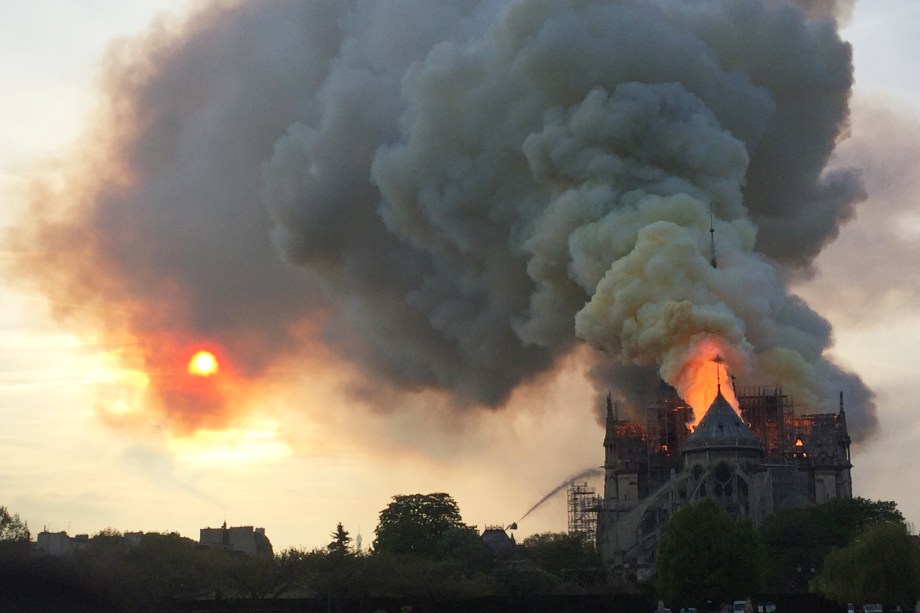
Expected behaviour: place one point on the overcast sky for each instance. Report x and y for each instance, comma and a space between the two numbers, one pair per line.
303, 462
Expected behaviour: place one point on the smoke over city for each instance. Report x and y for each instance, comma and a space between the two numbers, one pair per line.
453, 196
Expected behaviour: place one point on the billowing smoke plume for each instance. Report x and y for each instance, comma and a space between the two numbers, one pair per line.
468, 188
842, 10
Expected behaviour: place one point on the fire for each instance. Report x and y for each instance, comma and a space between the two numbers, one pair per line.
702, 375
203, 364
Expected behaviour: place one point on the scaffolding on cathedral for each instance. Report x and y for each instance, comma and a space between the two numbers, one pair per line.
769, 413
583, 506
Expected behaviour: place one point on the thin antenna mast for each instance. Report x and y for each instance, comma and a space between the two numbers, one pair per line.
719, 361
712, 240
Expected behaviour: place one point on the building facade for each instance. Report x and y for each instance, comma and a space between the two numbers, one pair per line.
764, 460
243, 539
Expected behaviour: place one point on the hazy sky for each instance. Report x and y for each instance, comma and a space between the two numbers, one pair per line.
307, 458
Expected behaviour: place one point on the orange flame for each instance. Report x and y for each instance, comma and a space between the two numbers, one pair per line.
702, 375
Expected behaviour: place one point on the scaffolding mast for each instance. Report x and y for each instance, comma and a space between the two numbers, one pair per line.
583, 506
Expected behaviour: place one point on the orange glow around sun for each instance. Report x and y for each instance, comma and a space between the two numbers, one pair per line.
187, 385
205, 390
203, 364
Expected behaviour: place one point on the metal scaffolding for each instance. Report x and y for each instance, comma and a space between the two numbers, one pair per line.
583, 506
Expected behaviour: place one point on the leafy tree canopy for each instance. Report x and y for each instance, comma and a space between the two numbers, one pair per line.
881, 565
463, 547
797, 540
558, 551
12, 528
705, 553
109, 532
415, 523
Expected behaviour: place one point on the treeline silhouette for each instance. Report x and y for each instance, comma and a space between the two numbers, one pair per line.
424, 558
167, 572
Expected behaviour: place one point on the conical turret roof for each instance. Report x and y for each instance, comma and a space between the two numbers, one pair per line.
721, 428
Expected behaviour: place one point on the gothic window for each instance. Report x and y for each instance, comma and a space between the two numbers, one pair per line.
722, 477
697, 472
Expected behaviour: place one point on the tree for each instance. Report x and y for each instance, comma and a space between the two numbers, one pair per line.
159, 569
300, 570
881, 565
860, 513
15, 538
414, 524
797, 540
244, 576
464, 548
341, 541
12, 528
705, 553
558, 551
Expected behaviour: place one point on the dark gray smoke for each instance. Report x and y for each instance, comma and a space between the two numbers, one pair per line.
456, 181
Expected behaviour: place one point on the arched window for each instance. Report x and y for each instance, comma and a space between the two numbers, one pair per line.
697, 472
722, 477
722, 473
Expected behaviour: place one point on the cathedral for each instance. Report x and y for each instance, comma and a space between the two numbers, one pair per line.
765, 460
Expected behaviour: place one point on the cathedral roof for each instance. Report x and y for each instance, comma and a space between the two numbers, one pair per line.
721, 428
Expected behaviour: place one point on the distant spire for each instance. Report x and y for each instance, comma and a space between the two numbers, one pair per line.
611, 408
719, 361
712, 240
842, 419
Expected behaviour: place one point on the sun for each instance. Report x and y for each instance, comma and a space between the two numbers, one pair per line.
203, 364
